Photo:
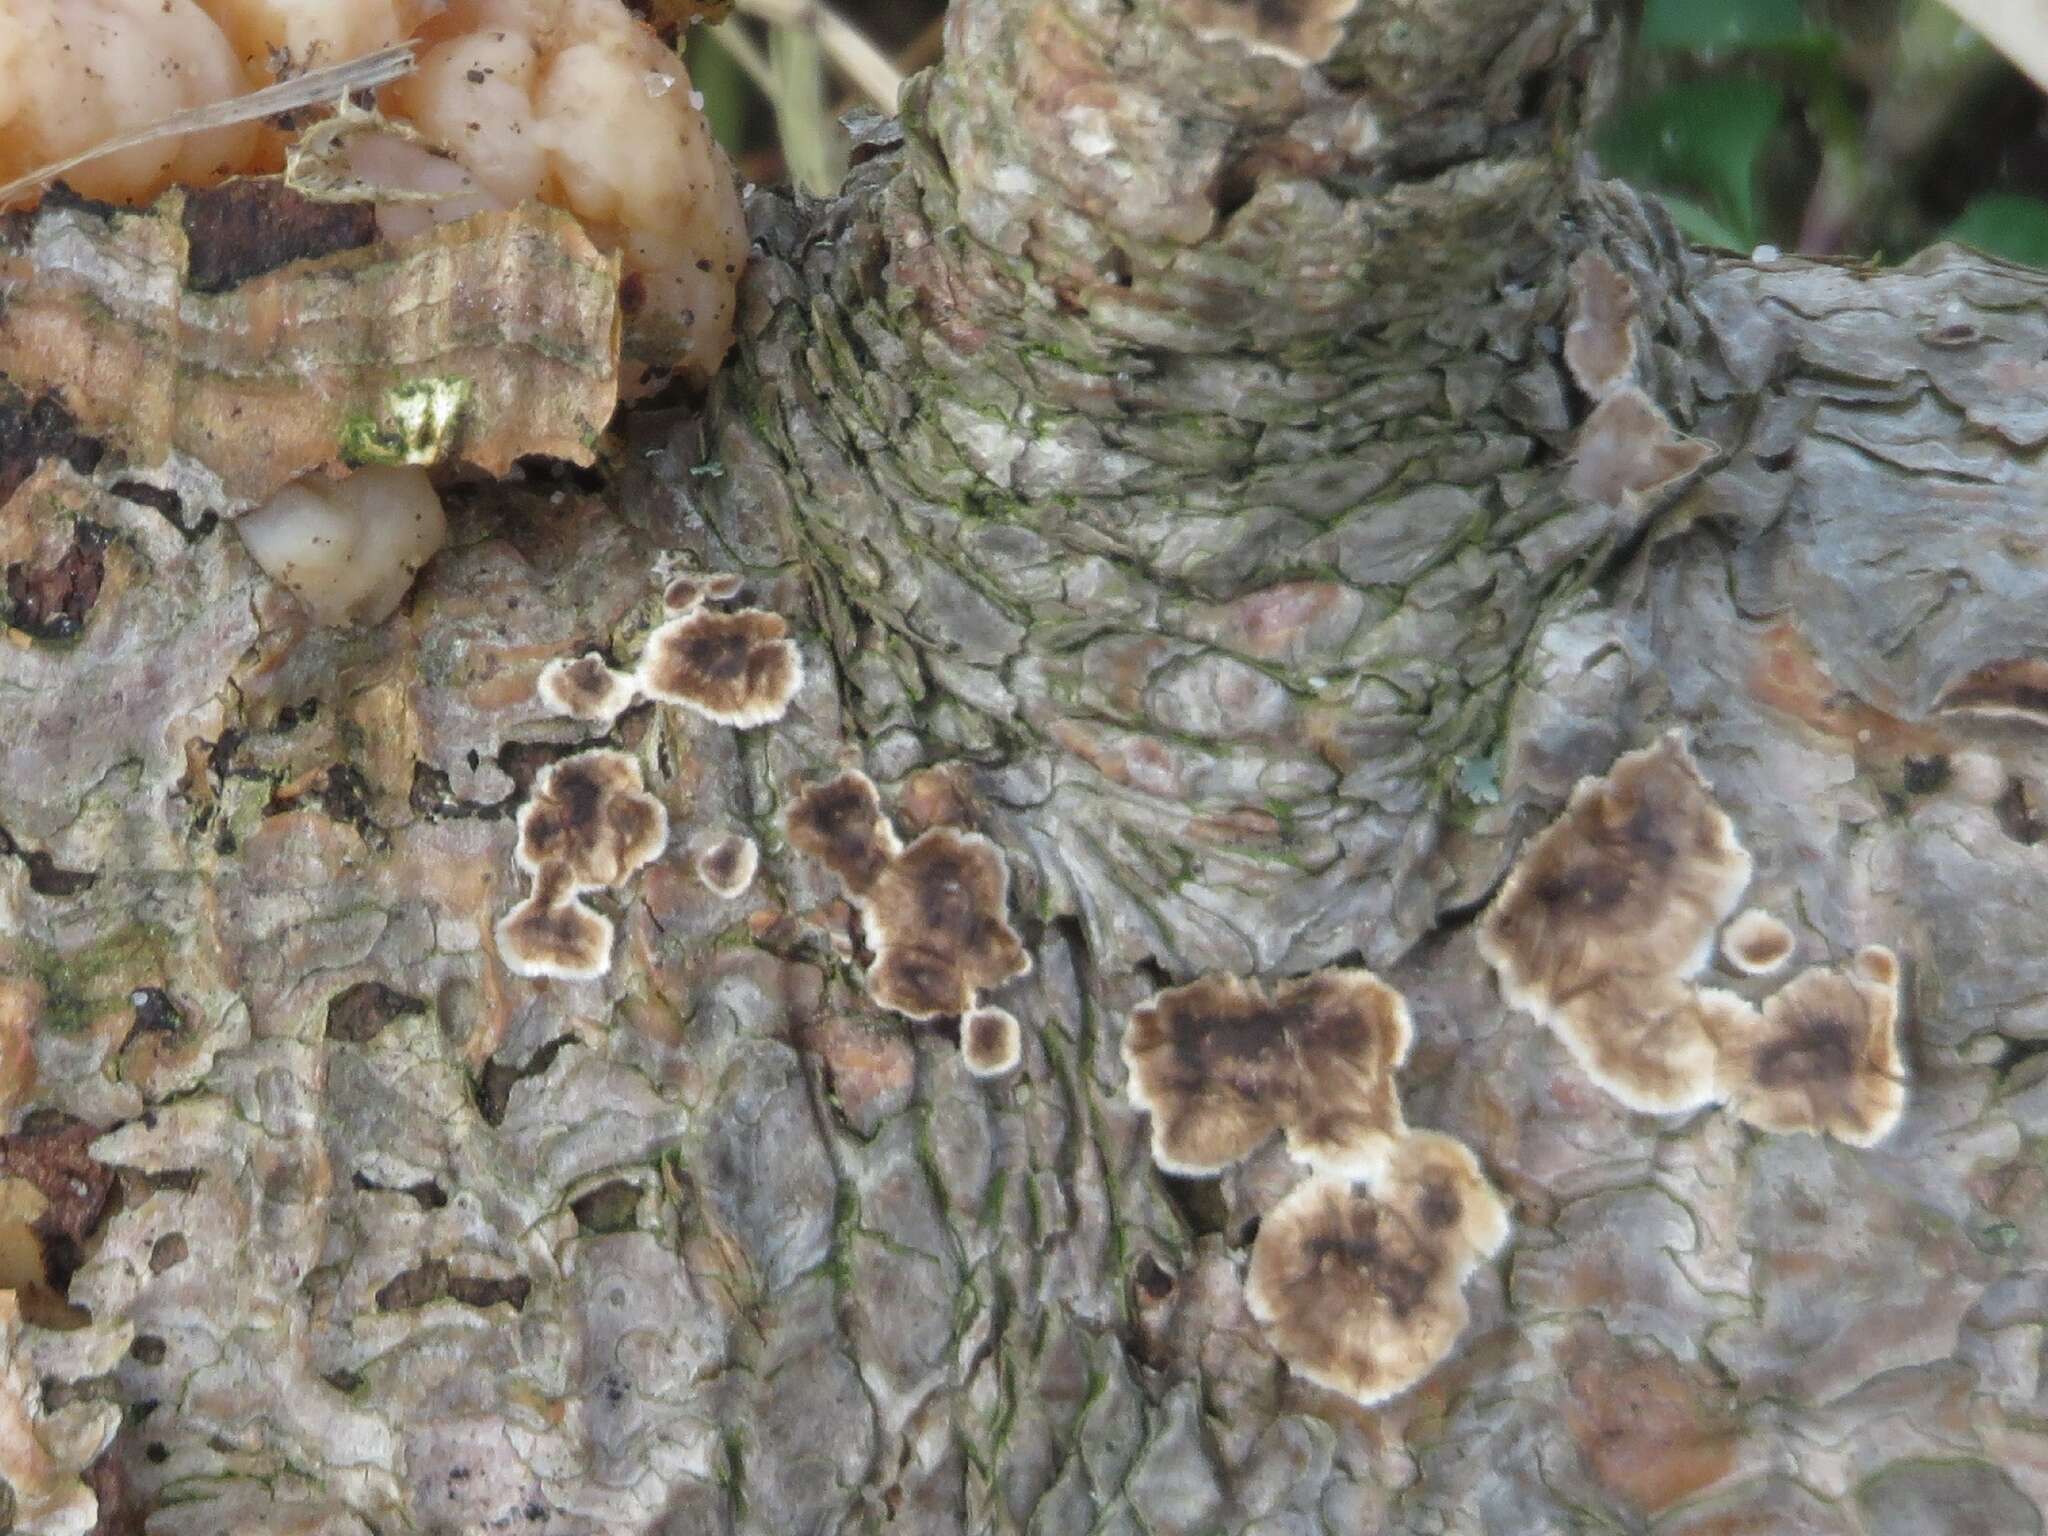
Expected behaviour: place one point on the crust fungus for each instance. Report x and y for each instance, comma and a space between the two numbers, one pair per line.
1631, 881
1627, 452
1296, 32
590, 818
1355, 1292
739, 669
991, 1041
1436, 1182
686, 592
2013, 689
348, 549
840, 823
728, 865
1599, 344
588, 824
1823, 1054
1650, 1040
1221, 1063
552, 933
584, 689
1756, 943
937, 918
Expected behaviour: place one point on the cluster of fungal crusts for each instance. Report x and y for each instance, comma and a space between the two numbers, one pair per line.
734, 667
589, 824
1613, 910
1358, 1274
935, 912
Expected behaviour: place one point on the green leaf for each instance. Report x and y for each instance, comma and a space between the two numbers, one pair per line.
1700, 226
2005, 224
1704, 136
1696, 26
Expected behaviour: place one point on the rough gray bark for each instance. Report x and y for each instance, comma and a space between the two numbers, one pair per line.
1170, 448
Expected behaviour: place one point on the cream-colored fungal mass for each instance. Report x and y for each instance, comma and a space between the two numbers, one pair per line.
577, 103
348, 549
531, 99
76, 72
1756, 943
1823, 1054
1222, 1063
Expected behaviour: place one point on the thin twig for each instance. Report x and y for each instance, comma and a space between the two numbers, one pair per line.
845, 45
310, 89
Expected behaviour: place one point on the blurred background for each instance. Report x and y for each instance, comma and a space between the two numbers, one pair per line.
1831, 127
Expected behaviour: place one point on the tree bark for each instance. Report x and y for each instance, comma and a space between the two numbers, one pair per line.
1169, 455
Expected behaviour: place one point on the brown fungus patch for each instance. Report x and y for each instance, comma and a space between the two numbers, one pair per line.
739, 669
590, 819
1627, 452
1649, 1041
584, 689
1823, 1054
1756, 943
553, 934
1222, 1063
1354, 1295
1437, 1184
1599, 344
991, 1041
841, 824
1631, 881
727, 865
1296, 32
937, 919
2013, 689
684, 593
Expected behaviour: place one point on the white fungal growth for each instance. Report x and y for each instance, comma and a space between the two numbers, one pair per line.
348, 549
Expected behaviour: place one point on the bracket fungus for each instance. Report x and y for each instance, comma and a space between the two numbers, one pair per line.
1632, 880
1648, 1041
1756, 943
682, 593
589, 824
1222, 1063
937, 918
739, 669
348, 549
727, 867
584, 689
1822, 1055
1360, 1288
841, 824
991, 1041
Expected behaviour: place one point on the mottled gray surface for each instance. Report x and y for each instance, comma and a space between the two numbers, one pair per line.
1246, 584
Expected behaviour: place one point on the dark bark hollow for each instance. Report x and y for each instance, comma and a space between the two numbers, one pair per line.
1175, 433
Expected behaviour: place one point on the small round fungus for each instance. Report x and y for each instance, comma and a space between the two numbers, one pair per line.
552, 933
1436, 1182
686, 592
1823, 1054
584, 689
1756, 943
727, 866
840, 823
1221, 1063
590, 819
1632, 880
1627, 452
1649, 1040
1355, 1295
991, 1041
739, 669
348, 549
937, 919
